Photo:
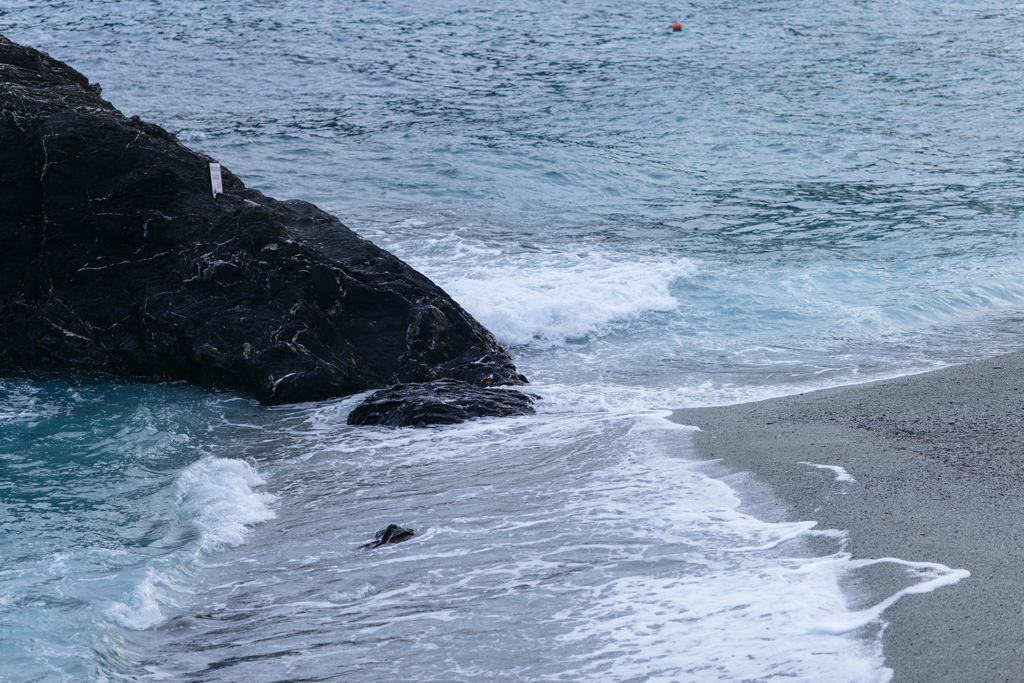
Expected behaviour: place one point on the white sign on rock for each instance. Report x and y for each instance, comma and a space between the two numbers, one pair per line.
218, 186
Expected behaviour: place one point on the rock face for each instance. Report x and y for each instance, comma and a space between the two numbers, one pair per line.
116, 257
442, 402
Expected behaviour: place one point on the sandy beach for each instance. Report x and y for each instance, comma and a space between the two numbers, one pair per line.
938, 464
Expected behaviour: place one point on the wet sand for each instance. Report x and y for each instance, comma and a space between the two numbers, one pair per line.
938, 460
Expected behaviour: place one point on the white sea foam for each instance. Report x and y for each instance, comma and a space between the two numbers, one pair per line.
593, 535
141, 609
591, 540
931, 575
549, 299
840, 472
755, 616
216, 495
751, 623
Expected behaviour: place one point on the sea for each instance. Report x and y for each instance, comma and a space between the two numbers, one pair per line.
781, 196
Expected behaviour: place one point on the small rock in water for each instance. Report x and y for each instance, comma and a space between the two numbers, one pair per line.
392, 534
443, 401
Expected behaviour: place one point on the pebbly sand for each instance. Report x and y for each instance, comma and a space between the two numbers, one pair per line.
938, 460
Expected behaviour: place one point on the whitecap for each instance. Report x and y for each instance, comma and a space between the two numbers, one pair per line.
566, 296
216, 496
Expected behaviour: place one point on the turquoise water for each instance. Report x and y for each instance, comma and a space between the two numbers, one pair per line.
781, 196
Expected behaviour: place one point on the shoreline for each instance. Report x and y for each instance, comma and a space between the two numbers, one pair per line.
938, 466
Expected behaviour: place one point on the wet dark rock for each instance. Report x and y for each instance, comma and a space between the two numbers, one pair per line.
115, 257
392, 534
439, 402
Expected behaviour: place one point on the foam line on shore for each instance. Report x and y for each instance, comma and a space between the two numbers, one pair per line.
939, 485
803, 528
840, 472
942, 576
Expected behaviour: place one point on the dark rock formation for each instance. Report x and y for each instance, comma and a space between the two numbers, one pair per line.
442, 402
116, 257
392, 534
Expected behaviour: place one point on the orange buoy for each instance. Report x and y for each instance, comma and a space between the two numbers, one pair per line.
676, 26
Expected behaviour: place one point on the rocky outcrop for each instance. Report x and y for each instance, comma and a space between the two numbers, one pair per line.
442, 402
116, 257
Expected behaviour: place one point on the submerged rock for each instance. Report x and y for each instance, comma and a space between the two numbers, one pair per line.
440, 402
116, 257
392, 534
